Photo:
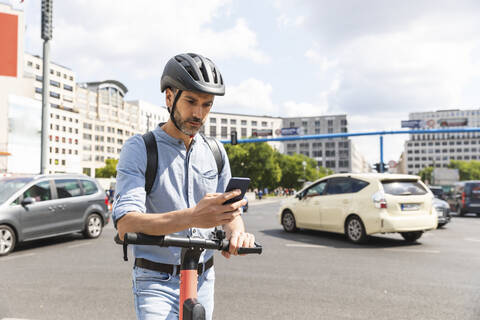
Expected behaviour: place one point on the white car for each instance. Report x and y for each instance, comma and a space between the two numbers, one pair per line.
359, 205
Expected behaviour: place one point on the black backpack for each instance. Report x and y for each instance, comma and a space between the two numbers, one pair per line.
152, 157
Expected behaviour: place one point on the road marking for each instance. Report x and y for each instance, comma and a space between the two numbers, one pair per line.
412, 250
80, 244
472, 239
17, 256
299, 245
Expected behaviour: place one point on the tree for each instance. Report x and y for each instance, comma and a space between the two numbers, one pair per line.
293, 173
426, 174
109, 171
269, 168
257, 161
468, 170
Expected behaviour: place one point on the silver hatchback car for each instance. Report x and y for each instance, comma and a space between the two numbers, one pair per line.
40, 206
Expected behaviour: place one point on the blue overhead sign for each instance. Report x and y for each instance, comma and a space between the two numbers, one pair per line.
413, 124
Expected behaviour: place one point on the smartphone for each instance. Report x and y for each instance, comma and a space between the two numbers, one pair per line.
237, 183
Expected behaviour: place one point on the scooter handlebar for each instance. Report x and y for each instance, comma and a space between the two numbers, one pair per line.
183, 242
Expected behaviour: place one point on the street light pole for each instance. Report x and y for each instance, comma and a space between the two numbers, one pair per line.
46, 36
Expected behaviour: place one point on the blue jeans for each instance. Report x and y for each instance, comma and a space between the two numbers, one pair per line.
157, 294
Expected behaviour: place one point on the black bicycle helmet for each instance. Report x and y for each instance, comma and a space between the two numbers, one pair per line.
192, 72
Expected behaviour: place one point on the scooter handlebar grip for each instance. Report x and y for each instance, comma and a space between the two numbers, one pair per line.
256, 249
140, 238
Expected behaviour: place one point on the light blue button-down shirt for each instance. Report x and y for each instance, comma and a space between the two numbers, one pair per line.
183, 179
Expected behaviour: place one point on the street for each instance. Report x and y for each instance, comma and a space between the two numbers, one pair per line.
305, 275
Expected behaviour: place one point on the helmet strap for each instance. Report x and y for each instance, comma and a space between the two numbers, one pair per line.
177, 96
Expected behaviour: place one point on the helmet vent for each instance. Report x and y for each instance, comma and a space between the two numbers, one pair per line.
190, 72
204, 73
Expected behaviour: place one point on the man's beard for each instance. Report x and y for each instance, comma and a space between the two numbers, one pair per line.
185, 126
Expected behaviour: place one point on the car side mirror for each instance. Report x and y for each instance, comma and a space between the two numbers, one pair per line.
28, 201
298, 196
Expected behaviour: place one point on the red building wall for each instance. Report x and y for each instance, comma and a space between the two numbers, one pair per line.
8, 44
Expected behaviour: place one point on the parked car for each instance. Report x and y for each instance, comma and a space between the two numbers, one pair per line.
467, 197
40, 206
359, 205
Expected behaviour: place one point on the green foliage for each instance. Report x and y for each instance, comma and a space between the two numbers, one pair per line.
266, 167
468, 170
426, 174
109, 171
257, 161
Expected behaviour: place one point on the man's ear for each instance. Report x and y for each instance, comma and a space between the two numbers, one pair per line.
169, 96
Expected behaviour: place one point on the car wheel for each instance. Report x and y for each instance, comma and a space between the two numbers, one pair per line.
355, 230
93, 226
7, 240
288, 221
411, 236
440, 225
460, 211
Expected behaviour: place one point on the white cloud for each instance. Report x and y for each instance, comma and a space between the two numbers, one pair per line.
137, 39
251, 96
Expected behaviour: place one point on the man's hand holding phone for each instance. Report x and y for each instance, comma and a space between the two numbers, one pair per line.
212, 211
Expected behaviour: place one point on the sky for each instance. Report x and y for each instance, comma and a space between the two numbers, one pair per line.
374, 60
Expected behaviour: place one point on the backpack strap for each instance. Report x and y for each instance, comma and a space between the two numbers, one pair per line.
152, 160
217, 154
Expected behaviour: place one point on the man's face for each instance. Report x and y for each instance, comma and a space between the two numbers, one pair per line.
191, 110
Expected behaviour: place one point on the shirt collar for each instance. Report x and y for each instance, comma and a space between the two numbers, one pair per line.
165, 136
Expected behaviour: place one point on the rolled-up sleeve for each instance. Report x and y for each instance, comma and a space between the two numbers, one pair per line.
130, 186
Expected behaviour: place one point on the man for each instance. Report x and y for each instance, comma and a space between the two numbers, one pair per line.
187, 196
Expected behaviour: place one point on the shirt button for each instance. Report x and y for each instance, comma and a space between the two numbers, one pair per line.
193, 231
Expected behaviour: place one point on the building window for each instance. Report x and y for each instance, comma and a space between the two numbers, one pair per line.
224, 121
244, 132
55, 83
244, 122
224, 132
213, 120
317, 123
233, 121
213, 131
54, 95
67, 87
264, 123
254, 123
38, 90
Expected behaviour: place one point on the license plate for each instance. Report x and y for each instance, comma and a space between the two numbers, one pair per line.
410, 206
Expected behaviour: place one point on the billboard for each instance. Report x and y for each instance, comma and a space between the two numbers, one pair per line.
415, 124
24, 134
262, 132
455, 122
8, 43
289, 131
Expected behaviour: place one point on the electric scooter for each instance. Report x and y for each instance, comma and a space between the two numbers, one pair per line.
190, 308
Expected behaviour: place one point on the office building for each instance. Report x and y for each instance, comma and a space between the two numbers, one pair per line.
424, 150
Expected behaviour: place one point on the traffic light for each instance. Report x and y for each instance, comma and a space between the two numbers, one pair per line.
380, 167
47, 19
233, 137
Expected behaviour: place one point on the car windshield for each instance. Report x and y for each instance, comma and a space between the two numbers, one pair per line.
10, 186
403, 187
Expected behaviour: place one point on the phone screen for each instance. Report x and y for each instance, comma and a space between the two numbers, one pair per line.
237, 183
